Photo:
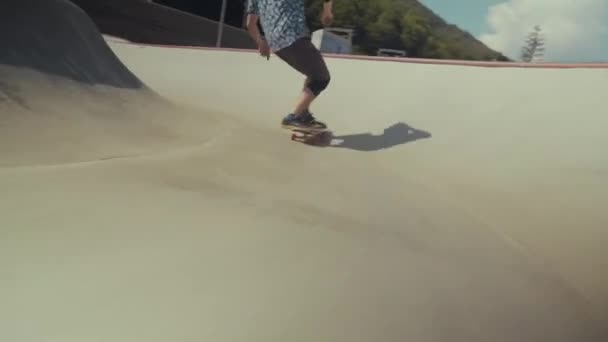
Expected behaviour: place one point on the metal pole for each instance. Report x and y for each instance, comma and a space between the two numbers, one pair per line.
220, 30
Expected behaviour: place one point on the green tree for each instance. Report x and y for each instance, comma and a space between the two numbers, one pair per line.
401, 24
535, 46
415, 32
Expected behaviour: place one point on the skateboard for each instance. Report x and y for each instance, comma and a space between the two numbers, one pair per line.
317, 137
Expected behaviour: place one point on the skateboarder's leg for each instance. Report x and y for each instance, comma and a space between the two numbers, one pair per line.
307, 59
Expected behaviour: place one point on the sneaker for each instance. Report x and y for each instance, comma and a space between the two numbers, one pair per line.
305, 121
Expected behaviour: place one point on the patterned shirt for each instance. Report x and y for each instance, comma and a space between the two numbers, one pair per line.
283, 21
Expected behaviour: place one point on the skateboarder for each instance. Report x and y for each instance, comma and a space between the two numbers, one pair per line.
287, 36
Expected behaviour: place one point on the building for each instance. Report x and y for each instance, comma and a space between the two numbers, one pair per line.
333, 40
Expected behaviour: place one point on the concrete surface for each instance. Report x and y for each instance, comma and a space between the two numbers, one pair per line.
457, 203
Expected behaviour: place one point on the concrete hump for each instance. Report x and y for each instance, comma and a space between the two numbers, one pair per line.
57, 37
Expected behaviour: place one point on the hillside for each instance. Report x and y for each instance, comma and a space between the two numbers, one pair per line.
405, 25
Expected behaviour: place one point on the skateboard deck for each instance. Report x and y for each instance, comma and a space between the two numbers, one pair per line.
317, 137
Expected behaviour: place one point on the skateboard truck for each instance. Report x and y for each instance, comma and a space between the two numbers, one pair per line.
317, 138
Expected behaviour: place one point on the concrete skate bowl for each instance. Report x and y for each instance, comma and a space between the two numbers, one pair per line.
457, 203
66, 97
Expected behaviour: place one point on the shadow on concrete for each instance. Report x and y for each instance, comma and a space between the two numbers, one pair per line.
397, 134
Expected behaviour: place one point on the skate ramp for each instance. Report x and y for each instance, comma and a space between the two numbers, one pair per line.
456, 204
66, 97
56, 37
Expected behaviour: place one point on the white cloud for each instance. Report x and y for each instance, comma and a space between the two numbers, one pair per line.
574, 30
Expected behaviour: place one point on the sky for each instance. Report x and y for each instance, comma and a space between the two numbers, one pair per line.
574, 30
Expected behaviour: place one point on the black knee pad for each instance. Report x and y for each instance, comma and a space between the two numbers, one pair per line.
317, 86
